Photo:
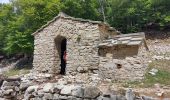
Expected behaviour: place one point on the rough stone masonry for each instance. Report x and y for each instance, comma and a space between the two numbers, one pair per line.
83, 39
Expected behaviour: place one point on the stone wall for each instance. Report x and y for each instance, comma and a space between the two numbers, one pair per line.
17, 89
82, 39
129, 69
119, 51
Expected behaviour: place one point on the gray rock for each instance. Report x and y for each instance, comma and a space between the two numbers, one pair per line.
62, 82
59, 86
31, 89
63, 97
81, 69
153, 71
74, 98
78, 91
130, 95
91, 92
7, 87
113, 97
16, 89
40, 93
48, 75
48, 88
27, 96
12, 83
8, 92
1, 93
107, 97
147, 98
104, 98
55, 96
36, 98
25, 85
35, 94
67, 90
120, 97
13, 78
100, 98
47, 96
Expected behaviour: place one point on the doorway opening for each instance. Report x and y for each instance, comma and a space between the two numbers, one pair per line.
61, 46
63, 56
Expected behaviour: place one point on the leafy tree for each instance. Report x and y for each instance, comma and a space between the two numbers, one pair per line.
87, 9
29, 16
5, 16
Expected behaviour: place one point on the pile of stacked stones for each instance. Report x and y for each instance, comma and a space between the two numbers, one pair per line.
17, 89
10, 88
54, 91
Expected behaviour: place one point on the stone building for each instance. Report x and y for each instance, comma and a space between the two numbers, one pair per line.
85, 43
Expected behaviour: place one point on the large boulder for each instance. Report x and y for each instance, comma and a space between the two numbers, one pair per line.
56, 96
48, 88
25, 85
31, 89
67, 90
48, 96
91, 92
78, 91
13, 78
12, 83
148, 98
8, 92
130, 95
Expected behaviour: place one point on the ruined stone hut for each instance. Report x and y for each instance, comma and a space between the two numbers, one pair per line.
86, 42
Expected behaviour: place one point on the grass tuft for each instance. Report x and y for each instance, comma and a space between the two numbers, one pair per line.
14, 72
162, 76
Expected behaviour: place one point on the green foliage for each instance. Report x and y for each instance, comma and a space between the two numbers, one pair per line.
161, 77
20, 42
87, 9
20, 18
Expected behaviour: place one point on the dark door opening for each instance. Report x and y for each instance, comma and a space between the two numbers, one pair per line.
63, 56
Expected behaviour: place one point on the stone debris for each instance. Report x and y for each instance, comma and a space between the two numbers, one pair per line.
153, 71
130, 95
148, 98
91, 92
155, 57
48, 88
10, 88
92, 89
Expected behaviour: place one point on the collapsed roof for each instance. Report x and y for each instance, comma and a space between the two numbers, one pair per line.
125, 39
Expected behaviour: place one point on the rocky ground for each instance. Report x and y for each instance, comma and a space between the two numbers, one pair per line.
42, 87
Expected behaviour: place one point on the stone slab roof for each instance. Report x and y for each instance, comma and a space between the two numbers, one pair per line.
65, 16
125, 39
